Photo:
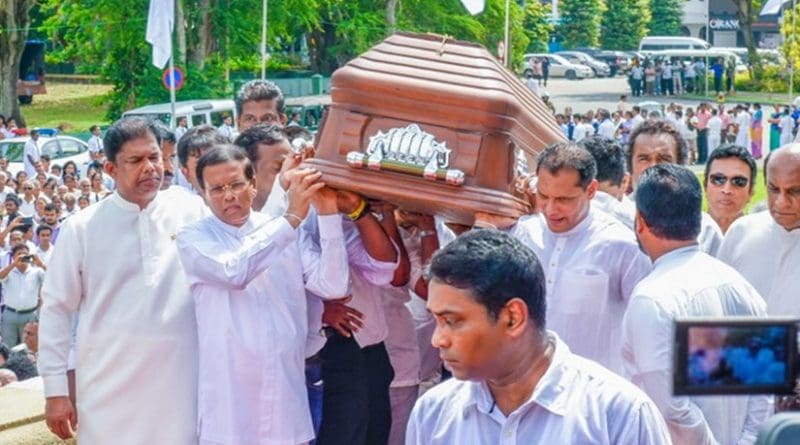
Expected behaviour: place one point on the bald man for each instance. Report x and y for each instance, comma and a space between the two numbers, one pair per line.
765, 247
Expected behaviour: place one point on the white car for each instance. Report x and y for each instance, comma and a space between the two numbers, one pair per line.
60, 149
600, 68
560, 67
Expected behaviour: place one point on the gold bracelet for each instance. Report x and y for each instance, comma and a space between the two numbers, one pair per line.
355, 214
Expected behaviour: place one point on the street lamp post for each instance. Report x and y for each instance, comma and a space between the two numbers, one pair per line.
264, 40
507, 48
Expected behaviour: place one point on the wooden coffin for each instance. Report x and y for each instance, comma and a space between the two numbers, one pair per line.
433, 125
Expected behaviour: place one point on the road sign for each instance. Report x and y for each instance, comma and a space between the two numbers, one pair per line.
173, 78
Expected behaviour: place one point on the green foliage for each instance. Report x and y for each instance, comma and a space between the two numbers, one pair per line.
624, 24
666, 17
580, 22
774, 79
536, 26
791, 46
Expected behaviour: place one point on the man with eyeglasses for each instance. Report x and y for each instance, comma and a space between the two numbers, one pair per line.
259, 101
765, 247
729, 179
248, 273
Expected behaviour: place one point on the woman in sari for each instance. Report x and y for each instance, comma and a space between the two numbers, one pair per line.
775, 128
757, 131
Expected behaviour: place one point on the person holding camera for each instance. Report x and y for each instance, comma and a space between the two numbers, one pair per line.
22, 279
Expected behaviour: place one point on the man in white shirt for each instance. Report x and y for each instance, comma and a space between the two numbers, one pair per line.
514, 381
227, 130
267, 146
533, 84
169, 154
259, 101
591, 261
22, 279
137, 337
612, 179
96, 153
765, 247
31, 154
685, 282
637, 117
742, 120
729, 182
656, 142
190, 147
44, 249
252, 388
607, 128
714, 130
181, 128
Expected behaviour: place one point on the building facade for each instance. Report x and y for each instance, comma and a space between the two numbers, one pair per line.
724, 29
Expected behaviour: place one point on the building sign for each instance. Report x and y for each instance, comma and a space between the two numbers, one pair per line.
727, 22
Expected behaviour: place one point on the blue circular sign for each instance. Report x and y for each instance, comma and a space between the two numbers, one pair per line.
173, 78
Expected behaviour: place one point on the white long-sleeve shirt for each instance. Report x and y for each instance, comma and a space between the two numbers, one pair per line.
768, 256
31, 151
590, 272
610, 205
689, 283
575, 402
137, 336
248, 285
367, 276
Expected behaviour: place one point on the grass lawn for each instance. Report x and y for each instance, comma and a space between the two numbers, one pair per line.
759, 192
75, 106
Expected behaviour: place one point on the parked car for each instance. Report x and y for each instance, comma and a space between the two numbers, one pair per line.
618, 61
60, 149
600, 68
560, 67
661, 43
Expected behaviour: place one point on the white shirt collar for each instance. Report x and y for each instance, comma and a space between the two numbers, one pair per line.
124, 204
236, 232
583, 225
674, 255
550, 393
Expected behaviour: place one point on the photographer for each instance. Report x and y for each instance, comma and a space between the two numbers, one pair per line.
22, 279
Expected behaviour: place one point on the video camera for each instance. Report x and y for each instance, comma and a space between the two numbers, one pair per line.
735, 356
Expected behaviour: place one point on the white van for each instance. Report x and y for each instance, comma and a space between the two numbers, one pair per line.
664, 43
196, 112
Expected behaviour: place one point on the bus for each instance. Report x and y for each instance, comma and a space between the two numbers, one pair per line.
31, 72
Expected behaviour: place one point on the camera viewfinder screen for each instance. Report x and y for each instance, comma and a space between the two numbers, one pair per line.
737, 356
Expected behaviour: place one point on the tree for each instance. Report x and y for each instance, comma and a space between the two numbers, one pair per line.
536, 26
666, 17
791, 47
14, 23
624, 24
747, 13
580, 22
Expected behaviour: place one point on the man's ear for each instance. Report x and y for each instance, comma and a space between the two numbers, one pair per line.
639, 224
283, 119
110, 168
515, 317
591, 189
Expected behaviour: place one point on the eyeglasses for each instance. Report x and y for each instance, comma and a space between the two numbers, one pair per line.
737, 181
220, 190
28, 188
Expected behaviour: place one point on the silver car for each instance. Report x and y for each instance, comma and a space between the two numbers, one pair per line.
60, 149
560, 67
600, 68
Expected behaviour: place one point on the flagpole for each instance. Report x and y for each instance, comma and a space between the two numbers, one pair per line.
791, 57
507, 37
264, 40
172, 78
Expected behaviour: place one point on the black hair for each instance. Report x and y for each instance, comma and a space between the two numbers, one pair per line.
220, 154
670, 200
266, 134
34, 133
493, 267
5, 351
608, 156
13, 198
563, 155
197, 140
93, 128
296, 131
50, 207
257, 90
125, 130
728, 151
44, 157
42, 228
21, 366
655, 127
19, 247
164, 133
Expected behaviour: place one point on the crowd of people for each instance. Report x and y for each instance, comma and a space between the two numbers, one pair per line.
223, 286
675, 76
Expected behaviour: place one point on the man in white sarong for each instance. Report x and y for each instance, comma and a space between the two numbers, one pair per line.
117, 263
765, 247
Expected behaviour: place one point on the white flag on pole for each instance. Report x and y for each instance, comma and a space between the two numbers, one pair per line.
772, 7
160, 21
474, 7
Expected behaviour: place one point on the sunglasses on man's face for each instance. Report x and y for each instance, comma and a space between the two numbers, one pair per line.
737, 181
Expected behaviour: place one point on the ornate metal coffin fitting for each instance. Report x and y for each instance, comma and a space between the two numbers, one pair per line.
408, 150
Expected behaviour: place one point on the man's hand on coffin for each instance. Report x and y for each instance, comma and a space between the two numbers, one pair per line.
491, 221
305, 184
529, 188
383, 209
325, 201
341, 317
291, 163
348, 201
60, 416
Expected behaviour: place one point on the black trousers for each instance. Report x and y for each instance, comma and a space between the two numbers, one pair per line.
702, 146
356, 409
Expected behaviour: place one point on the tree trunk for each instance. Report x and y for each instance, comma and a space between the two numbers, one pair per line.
14, 22
180, 30
745, 13
200, 48
391, 15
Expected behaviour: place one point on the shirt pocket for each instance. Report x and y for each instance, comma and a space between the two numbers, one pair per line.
582, 291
